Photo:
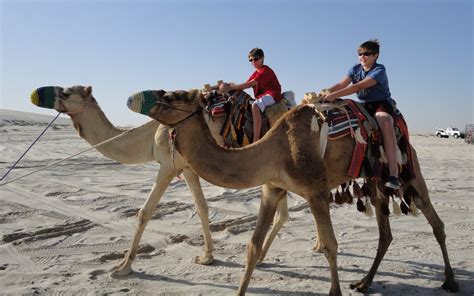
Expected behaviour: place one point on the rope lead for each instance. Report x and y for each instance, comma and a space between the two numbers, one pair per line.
59, 161
34, 142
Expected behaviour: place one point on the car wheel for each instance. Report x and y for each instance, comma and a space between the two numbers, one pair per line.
456, 136
438, 135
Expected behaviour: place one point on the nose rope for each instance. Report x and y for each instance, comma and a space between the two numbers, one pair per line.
59, 161
34, 142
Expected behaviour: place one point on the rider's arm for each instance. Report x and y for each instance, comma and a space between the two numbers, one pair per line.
340, 85
243, 86
363, 84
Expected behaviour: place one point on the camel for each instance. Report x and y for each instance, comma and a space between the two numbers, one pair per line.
143, 144
288, 157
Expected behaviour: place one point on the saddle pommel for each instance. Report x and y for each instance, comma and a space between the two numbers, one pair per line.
312, 98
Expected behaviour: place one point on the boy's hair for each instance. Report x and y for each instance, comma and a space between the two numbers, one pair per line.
256, 53
372, 45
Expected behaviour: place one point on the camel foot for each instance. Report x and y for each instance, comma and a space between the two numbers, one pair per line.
204, 260
260, 261
360, 286
450, 285
121, 270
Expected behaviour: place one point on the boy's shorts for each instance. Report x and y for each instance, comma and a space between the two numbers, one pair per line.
264, 102
382, 106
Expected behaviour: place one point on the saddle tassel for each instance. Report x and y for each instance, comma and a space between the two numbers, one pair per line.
396, 208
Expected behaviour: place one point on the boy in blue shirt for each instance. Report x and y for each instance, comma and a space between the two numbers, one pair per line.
369, 80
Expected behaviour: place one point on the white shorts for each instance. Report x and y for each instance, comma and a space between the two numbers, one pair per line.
264, 102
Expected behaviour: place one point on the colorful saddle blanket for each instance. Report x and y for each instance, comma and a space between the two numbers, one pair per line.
237, 130
367, 161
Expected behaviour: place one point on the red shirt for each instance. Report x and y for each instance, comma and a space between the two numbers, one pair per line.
267, 83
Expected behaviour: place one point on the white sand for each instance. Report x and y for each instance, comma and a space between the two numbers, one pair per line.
74, 221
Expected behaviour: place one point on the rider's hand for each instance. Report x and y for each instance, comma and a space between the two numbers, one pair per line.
329, 97
224, 87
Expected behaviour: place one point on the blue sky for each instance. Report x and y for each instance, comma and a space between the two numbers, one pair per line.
121, 47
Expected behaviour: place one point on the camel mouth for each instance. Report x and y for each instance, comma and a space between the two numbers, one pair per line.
142, 102
44, 97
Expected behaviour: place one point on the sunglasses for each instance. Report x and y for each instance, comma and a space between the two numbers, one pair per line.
366, 53
254, 59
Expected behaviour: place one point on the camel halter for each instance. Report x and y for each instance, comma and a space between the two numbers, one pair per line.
173, 131
63, 108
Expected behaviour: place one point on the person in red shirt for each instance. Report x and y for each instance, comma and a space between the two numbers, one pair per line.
266, 88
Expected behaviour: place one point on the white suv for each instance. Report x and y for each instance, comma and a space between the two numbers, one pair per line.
446, 133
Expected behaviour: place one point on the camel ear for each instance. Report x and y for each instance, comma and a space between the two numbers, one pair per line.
87, 91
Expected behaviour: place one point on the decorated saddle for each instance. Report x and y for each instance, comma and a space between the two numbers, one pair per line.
345, 117
237, 130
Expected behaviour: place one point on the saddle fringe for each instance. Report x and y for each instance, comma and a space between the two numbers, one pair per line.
314, 124
358, 137
323, 138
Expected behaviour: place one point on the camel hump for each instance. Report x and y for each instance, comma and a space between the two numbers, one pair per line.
275, 111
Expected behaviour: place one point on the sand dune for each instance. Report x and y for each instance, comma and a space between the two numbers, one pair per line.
64, 228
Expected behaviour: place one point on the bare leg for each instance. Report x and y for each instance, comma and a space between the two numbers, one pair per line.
385, 238
385, 122
268, 204
320, 208
257, 122
280, 217
203, 212
424, 204
144, 215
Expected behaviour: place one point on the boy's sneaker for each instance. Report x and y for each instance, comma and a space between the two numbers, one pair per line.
392, 182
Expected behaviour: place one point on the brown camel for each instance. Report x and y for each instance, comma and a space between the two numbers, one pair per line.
286, 158
149, 142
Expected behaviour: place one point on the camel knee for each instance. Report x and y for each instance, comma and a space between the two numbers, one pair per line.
420, 203
253, 249
385, 239
330, 252
280, 217
202, 210
144, 216
329, 247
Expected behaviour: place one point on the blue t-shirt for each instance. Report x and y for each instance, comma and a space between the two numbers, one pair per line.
375, 93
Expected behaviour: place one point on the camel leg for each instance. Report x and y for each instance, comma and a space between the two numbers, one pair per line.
424, 204
319, 206
268, 204
281, 216
318, 248
144, 215
385, 238
203, 212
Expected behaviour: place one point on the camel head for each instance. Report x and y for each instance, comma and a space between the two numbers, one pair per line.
169, 107
70, 100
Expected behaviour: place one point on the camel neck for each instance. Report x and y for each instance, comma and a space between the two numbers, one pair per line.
136, 147
233, 168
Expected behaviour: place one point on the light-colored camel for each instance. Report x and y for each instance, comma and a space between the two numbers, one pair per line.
147, 143
286, 158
